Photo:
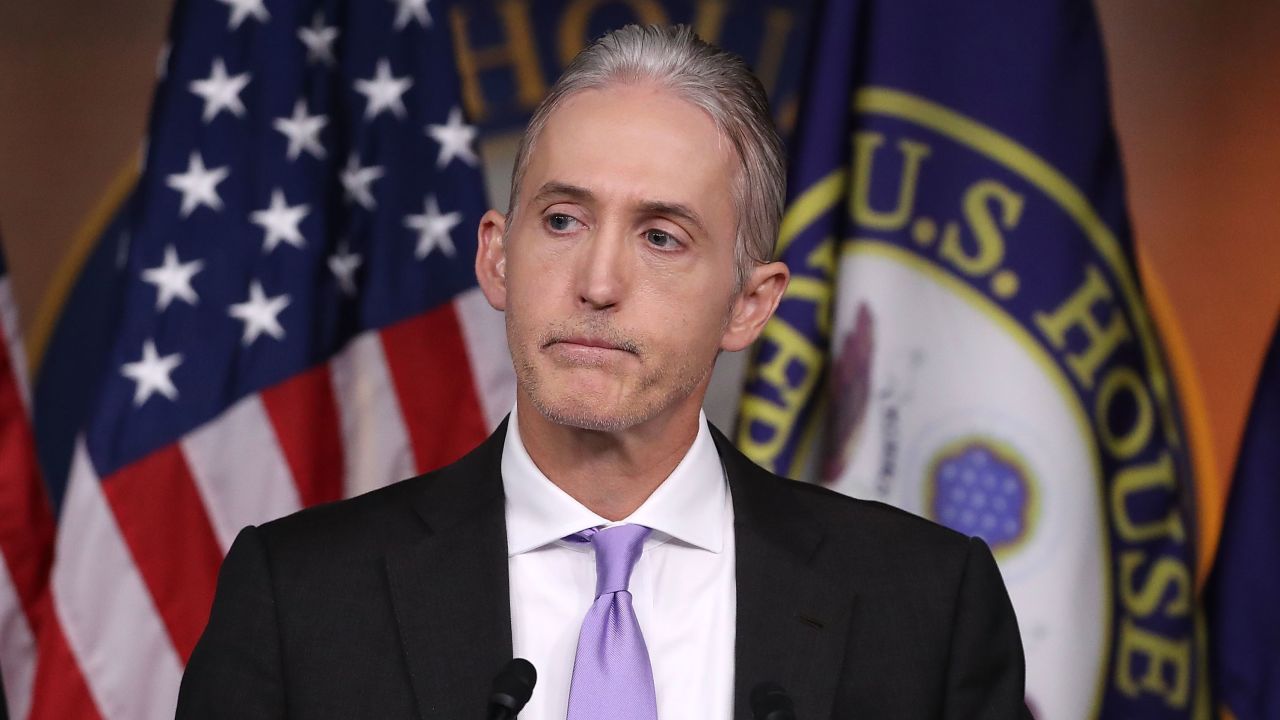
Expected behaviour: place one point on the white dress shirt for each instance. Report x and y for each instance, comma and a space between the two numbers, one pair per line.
684, 584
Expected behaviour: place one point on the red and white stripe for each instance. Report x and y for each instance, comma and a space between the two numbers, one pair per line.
258, 485
375, 445
138, 551
105, 605
16, 641
26, 523
485, 334
17, 354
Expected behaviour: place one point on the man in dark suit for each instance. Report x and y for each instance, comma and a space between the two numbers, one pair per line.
645, 202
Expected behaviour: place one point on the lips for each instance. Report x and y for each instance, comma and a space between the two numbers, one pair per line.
570, 353
589, 342
577, 340
586, 351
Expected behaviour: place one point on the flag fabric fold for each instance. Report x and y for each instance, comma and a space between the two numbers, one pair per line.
1243, 592
299, 322
965, 334
26, 521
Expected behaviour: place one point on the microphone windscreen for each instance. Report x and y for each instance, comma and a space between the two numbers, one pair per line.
513, 685
770, 702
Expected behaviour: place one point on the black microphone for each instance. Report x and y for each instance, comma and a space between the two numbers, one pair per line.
770, 702
512, 688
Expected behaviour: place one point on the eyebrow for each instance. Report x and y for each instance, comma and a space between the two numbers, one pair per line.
647, 207
559, 189
676, 210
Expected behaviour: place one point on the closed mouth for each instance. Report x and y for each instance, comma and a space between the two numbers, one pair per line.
592, 342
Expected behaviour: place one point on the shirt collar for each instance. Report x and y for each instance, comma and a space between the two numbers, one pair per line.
688, 506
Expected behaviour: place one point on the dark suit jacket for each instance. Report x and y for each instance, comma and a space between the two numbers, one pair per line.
395, 604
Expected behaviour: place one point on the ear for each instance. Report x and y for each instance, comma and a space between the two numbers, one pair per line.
491, 259
755, 304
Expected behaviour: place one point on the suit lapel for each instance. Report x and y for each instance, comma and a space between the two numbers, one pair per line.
449, 589
792, 620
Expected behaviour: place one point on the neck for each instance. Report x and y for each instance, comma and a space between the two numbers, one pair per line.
610, 473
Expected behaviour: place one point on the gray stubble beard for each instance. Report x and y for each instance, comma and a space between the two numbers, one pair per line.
527, 378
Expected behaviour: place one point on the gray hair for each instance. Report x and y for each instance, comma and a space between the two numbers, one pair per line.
718, 82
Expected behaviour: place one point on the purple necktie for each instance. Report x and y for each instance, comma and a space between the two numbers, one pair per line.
612, 677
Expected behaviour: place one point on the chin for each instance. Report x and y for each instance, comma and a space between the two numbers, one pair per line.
581, 411
597, 399
583, 419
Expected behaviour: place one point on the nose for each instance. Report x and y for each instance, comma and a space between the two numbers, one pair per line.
601, 270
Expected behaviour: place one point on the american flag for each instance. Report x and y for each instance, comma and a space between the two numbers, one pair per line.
26, 522
301, 323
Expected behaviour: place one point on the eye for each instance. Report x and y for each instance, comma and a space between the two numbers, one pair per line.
661, 239
561, 223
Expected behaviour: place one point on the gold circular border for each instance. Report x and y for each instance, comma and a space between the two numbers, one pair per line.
1056, 186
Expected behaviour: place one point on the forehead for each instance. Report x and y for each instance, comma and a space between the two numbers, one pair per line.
635, 143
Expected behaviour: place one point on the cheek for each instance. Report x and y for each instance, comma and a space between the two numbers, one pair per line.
536, 271
692, 324
522, 308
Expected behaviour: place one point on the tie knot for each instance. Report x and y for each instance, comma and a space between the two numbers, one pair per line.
617, 550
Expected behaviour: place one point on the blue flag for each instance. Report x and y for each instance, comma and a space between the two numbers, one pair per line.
1243, 595
965, 334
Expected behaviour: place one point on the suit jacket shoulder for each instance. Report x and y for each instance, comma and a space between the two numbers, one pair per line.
393, 515
861, 609
390, 604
